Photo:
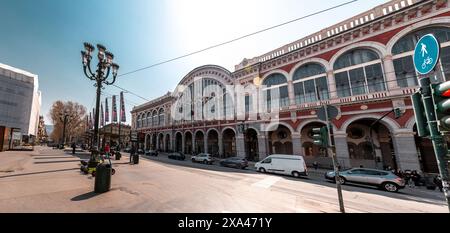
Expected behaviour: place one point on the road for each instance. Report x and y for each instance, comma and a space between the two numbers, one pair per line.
48, 180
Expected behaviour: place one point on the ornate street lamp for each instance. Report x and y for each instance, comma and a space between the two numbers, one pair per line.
105, 67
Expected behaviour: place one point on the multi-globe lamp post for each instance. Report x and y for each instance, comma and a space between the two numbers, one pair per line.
105, 68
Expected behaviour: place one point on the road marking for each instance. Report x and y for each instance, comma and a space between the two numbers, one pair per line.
226, 212
304, 211
267, 182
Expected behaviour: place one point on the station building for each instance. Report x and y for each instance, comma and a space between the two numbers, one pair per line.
363, 66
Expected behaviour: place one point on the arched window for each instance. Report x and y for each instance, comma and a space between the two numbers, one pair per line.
359, 72
403, 52
149, 119
161, 117
155, 118
273, 83
138, 121
310, 83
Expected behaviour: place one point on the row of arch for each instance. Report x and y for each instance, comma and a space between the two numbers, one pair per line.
151, 118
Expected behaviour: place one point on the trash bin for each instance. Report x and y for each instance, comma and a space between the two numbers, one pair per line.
136, 159
118, 155
103, 178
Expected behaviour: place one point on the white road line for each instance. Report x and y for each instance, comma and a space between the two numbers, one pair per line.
267, 182
226, 212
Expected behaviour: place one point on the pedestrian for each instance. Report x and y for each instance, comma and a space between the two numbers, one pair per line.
316, 165
132, 151
438, 182
73, 148
416, 178
107, 150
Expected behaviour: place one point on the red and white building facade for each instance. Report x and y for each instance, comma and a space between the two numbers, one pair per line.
363, 66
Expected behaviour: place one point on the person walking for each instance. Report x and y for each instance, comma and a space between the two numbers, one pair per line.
73, 147
438, 183
107, 150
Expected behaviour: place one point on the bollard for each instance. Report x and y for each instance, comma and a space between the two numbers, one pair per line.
136, 158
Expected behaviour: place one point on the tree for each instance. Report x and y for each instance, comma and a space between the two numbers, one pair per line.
75, 126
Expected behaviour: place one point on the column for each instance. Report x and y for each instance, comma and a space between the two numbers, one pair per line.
343, 157
145, 142
262, 146
296, 144
220, 141
389, 71
240, 145
406, 150
183, 141
193, 144
205, 142
291, 93
332, 85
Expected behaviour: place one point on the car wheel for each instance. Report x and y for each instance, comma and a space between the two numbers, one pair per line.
296, 174
205, 161
262, 170
390, 187
342, 180
193, 160
113, 171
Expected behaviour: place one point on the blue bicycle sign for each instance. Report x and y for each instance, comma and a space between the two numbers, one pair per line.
426, 54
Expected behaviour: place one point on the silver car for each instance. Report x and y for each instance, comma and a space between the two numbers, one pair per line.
383, 179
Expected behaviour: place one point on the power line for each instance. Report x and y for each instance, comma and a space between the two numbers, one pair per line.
239, 38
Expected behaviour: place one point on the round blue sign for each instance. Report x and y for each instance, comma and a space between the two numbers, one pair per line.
426, 54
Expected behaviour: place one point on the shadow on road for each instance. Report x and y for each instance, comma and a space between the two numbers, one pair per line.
54, 157
65, 161
43, 172
84, 196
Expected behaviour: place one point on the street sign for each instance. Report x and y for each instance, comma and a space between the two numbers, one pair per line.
426, 54
333, 112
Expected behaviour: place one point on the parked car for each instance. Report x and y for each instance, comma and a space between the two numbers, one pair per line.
292, 165
151, 153
385, 180
203, 158
235, 162
177, 156
140, 151
127, 150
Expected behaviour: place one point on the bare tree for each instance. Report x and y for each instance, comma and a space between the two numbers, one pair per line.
75, 126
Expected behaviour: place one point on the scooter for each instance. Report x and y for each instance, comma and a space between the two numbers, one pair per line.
90, 166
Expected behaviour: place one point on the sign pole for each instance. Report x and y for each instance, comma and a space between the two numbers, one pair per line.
426, 57
335, 162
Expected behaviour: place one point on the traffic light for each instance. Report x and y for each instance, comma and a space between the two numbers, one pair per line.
320, 136
398, 113
419, 113
441, 98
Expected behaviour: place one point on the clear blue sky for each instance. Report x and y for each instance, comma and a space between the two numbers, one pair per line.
45, 37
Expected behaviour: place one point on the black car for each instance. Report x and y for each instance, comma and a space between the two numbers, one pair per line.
235, 162
177, 156
151, 153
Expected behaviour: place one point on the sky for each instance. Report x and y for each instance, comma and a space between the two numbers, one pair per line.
45, 37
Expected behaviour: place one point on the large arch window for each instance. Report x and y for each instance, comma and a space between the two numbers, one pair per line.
161, 117
273, 82
359, 72
148, 119
155, 118
403, 52
310, 84
138, 121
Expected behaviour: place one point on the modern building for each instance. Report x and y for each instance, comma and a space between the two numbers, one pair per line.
363, 66
20, 101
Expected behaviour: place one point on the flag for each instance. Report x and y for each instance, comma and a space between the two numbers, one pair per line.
90, 120
102, 116
122, 108
114, 109
106, 110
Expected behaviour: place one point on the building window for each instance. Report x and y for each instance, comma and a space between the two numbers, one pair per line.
273, 82
359, 72
161, 117
403, 52
310, 84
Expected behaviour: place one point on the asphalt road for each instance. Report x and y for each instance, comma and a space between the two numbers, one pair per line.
48, 180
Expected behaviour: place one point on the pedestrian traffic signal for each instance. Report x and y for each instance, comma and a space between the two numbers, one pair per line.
441, 98
320, 136
419, 113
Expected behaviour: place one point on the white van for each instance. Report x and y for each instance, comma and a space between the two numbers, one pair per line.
292, 165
